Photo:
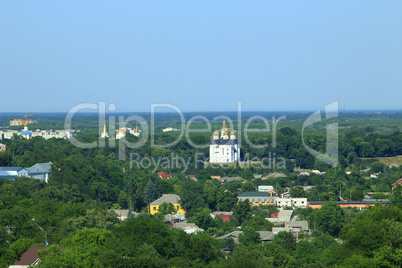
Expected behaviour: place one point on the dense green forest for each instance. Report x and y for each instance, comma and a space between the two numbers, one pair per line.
74, 209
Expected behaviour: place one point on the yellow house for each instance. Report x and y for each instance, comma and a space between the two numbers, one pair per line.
166, 198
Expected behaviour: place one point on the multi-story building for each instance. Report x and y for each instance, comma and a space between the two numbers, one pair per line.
224, 149
292, 202
166, 198
257, 198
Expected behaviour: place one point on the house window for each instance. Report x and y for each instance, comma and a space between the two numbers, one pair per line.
154, 208
178, 207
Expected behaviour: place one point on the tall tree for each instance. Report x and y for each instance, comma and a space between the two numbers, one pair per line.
249, 236
152, 191
242, 211
329, 218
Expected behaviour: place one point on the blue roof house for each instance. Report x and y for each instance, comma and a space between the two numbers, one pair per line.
40, 171
13, 172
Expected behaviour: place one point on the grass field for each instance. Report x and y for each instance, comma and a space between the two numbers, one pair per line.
391, 160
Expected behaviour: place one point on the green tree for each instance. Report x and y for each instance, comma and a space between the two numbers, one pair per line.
247, 174
166, 208
366, 150
329, 218
249, 236
286, 240
17, 248
203, 219
152, 190
357, 193
242, 211
296, 192
248, 187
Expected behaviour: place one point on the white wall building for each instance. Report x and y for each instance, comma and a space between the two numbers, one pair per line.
291, 202
265, 188
136, 132
120, 134
46, 134
224, 149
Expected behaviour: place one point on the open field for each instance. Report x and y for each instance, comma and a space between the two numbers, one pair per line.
391, 160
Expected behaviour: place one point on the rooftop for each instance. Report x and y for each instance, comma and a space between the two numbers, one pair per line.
40, 167
166, 198
164, 175
224, 142
397, 182
255, 194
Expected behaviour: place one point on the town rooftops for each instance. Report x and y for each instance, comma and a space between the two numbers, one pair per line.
166, 198
122, 214
254, 194
29, 257
174, 217
164, 175
285, 213
262, 188
225, 216
13, 172
40, 168
188, 227
397, 182
230, 179
365, 201
281, 216
264, 236
11, 168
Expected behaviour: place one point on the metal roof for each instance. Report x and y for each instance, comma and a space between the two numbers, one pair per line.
224, 142
254, 194
40, 167
166, 198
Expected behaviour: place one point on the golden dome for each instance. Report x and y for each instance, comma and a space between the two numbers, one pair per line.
121, 132
216, 133
225, 133
224, 126
233, 133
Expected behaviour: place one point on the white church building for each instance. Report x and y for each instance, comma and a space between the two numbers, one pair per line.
224, 149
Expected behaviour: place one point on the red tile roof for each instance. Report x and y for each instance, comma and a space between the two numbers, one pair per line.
225, 218
164, 175
397, 182
274, 215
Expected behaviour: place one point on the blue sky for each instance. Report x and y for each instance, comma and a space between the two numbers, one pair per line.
200, 55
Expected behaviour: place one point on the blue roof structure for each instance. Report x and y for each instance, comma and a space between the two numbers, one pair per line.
10, 168
26, 133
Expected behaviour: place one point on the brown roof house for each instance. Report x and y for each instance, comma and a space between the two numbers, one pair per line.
29, 257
